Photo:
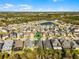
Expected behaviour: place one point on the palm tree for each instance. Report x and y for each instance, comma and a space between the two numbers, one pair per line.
29, 54
17, 56
1, 56
75, 54
6, 55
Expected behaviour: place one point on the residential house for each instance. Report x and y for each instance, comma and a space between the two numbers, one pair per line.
1, 44
39, 44
66, 44
47, 44
77, 44
29, 44
8, 44
56, 44
18, 45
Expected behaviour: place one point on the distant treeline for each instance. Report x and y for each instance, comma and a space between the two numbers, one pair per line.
71, 19
7, 18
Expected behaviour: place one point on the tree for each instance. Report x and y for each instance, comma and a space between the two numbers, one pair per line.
1, 56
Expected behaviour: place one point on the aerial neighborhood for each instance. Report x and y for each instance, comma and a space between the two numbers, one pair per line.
39, 29
54, 35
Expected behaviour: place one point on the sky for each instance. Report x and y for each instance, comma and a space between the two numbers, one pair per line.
39, 5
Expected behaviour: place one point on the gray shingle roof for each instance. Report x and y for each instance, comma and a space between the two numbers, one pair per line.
66, 44
39, 44
47, 44
7, 45
28, 43
56, 43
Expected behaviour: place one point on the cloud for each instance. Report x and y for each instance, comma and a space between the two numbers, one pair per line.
57, 0
62, 8
21, 7
26, 7
13, 7
44, 9
8, 5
